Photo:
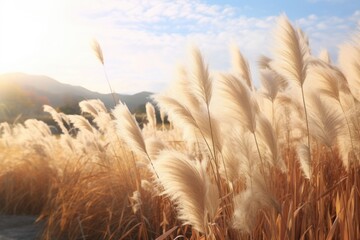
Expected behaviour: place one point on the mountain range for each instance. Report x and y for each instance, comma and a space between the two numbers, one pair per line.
22, 96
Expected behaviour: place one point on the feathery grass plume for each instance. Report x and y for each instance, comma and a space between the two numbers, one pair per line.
345, 150
325, 121
39, 126
97, 49
248, 203
264, 62
5, 130
268, 138
99, 54
235, 101
58, 118
154, 146
175, 110
150, 113
305, 161
248, 154
92, 106
128, 129
329, 79
304, 42
290, 99
97, 109
201, 89
270, 81
291, 57
81, 123
187, 183
104, 121
290, 52
196, 121
87, 106
135, 201
325, 56
181, 88
232, 161
272, 84
241, 66
241, 162
349, 60
200, 79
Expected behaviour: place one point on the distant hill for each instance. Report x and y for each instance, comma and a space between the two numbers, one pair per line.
22, 96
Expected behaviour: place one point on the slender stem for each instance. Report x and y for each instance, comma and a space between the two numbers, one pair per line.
152, 165
258, 150
306, 119
108, 82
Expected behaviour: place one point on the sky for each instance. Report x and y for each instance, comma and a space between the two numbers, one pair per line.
145, 41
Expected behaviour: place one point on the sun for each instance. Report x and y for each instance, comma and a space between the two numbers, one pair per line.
25, 29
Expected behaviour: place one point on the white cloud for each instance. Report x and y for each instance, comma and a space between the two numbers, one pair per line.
144, 40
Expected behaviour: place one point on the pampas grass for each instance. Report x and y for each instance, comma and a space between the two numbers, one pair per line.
239, 101
187, 184
232, 163
241, 66
129, 130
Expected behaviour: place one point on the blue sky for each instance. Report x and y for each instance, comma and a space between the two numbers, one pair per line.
144, 41
294, 8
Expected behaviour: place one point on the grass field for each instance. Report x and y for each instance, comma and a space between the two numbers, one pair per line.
278, 161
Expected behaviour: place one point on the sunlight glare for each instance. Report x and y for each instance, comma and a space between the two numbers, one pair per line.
29, 31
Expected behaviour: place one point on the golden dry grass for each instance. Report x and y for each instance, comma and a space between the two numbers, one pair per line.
236, 162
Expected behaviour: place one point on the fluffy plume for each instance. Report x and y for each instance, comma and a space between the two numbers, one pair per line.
196, 122
200, 79
241, 66
304, 43
269, 139
135, 201
290, 52
264, 62
249, 202
270, 81
240, 163
176, 110
237, 101
128, 129
58, 117
97, 109
97, 49
181, 88
5, 129
329, 79
93, 106
150, 113
232, 161
305, 160
325, 121
154, 146
81, 123
38, 126
349, 59
188, 185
